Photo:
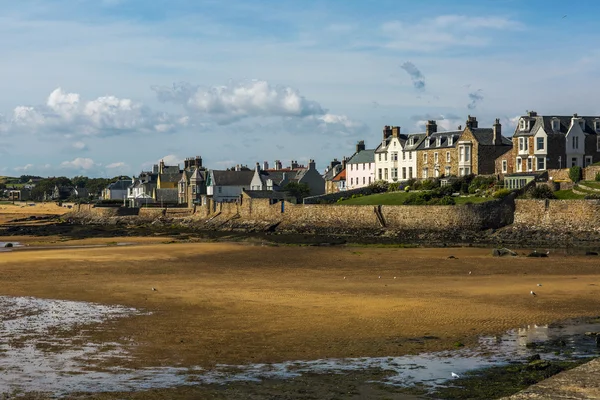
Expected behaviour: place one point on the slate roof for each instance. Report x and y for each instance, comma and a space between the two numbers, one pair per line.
232, 178
444, 142
381, 149
485, 137
277, 176
167, 195
417, 137
171, 177
362, 157
545, 121
119, 185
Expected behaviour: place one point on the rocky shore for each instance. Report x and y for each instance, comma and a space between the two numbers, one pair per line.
182, 228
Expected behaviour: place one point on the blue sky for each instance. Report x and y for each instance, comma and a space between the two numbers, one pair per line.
107, 87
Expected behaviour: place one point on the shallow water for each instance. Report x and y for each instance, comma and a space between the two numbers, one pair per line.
14, 244
43, 347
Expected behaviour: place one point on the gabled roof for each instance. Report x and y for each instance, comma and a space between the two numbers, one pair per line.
198, 176
171, 177
444, 139
278, 176
340, 177
545, 122
485, 137
232, 178
119, 185
384, 145
362, 157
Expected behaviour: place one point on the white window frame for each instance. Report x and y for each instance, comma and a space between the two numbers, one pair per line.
425, 158
425, 173
450, 140
426, 143
467, 154
519, 164
555, 125
537, 163
522, 125
438, 142
504, 166
461, 152
403, 155
529, 164
435, 158
447, 170
410, 155
537, 144
447, 156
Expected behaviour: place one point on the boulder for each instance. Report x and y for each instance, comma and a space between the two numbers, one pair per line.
504, 252
536, 254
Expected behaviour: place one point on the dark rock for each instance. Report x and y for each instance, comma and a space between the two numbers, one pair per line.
8, 245
452, 258
591, 253
533, 358
503, 252
536, 254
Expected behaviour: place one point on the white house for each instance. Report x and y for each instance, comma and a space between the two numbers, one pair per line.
225, 186
360, 168
117, 190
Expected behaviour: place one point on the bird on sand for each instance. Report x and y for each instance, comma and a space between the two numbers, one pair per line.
539, 284
379, 276
533, 293
454, 375
469, 272
154, 289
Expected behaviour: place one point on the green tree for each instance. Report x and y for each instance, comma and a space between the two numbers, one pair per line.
47, 185
575, 174
80, 181
297, 190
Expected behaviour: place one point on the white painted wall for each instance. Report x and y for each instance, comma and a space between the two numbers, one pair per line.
575, 144
356, 174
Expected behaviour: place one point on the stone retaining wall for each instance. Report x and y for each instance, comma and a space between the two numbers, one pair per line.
558, 215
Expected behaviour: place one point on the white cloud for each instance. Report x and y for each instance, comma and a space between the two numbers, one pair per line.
448, 122
24, 168
443, 31
119, 164
171, 159
236, 101
107, 115
79, 163
79, 146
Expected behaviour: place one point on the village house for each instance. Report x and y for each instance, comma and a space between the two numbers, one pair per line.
166, 190
140, 192
542, 142
332, 171
117, 190
192, 185
360, 168
472, 150
388, 153
339, 182
64, 192
22, 194
227, 186
276, 179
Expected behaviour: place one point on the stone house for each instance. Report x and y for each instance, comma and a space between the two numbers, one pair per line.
142, 189
331, 172
360, 168
554, 142
338, 182
472, 150
192, 184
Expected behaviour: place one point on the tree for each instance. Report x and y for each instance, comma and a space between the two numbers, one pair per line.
575, 174
47, 185
297, 190
80, 181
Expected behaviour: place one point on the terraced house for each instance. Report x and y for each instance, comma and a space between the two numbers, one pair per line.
360, 168
471, 150
388, 154
552, 142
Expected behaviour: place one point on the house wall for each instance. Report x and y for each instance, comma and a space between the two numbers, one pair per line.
116, 194
315, 182
509, 157
356, 172
387, 162
442, 163
227, 193
487, 156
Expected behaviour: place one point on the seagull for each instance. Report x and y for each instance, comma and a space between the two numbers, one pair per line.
533, 293
154, 289
539, 284
454, 375
379, 276
344, 277
469, 272
564, 16
394, 277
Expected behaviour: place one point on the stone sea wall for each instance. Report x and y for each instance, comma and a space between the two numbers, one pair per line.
558, 215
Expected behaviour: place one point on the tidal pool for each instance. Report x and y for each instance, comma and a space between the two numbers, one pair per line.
43, 347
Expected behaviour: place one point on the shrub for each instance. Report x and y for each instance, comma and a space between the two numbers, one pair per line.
575, 174
379, 186
502, 193
393, 187
447, 201
597, 178
541, 192
411, 182
430, 184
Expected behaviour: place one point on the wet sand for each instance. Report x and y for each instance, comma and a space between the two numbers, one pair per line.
240, 303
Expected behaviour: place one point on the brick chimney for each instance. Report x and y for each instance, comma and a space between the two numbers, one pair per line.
257, 167
387, 132
395, 131
497, 132
472, 122
430, 127
344, 161
532, 113
334, 163
312, 164
294, 164
360, 146
265, 165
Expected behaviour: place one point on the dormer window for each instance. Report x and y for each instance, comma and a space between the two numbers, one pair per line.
411, 141
450, 140
556, 125
427, 143
522, 124
438, 142
597, 125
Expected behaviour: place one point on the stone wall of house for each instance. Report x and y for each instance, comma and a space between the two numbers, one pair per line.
430, 164
558, 215
589, 173
559, 174
509, 157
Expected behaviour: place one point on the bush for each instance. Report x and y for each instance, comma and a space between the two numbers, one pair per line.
411, 182
430, 184
447, 201
541, 192
393, 187
502, 193
379, 186
575, 174
597, 178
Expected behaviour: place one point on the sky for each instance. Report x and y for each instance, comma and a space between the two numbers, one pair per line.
109, 87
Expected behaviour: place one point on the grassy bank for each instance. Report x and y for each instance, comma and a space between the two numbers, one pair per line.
398, 198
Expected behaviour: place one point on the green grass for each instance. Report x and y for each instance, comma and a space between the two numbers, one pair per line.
396, 198
568, 195
591, 184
